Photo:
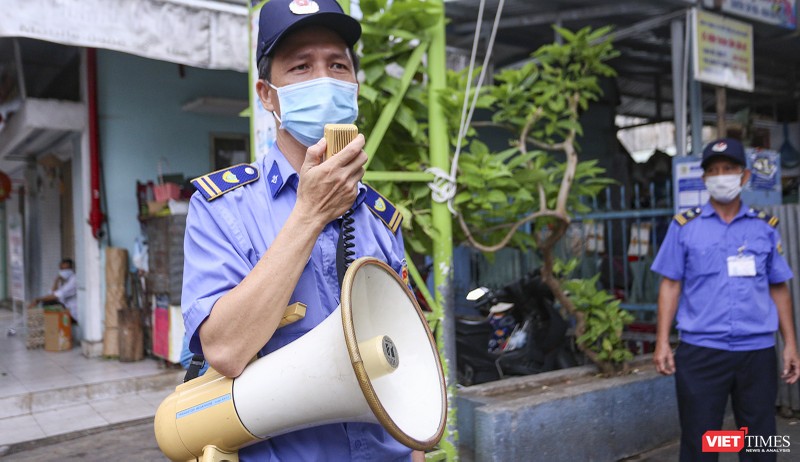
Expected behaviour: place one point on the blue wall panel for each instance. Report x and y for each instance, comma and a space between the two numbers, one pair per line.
141, 122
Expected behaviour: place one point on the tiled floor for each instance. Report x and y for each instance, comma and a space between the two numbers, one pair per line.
44, 394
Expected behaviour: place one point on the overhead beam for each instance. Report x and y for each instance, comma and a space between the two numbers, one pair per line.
577, 14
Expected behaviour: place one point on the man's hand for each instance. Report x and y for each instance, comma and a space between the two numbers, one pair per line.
791, 365
328, 189
663, 359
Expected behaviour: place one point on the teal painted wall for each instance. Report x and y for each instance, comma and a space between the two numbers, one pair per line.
141, 121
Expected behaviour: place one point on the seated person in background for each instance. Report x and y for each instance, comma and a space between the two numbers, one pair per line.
64, 290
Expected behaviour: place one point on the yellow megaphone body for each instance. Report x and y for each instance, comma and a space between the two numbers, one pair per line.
374, 355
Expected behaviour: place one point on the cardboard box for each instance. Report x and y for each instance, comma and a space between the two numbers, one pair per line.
57, 330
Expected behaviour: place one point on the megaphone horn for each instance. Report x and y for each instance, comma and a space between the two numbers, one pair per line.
387, 372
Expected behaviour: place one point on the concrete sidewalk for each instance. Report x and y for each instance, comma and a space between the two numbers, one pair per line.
45, 394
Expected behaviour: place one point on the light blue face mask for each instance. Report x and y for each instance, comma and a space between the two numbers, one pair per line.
307, 106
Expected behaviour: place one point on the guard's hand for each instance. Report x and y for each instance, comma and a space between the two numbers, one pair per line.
663, 359
327, 189
791, 365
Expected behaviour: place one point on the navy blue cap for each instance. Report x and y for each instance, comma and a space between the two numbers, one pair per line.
280, 17
728, 148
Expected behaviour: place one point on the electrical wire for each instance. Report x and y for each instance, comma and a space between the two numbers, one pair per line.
444, 186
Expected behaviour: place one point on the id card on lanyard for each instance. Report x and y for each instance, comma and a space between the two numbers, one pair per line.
742, 266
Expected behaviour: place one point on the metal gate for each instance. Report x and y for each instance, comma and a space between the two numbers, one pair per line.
789, 227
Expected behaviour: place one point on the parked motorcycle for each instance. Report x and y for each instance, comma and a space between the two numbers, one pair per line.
520, 333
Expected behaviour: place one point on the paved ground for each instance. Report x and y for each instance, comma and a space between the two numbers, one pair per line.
127, 442
135, 442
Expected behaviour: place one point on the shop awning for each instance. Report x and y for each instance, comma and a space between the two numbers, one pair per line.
200, 33
39, 125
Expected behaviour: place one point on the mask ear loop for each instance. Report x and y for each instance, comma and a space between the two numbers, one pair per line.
274, 114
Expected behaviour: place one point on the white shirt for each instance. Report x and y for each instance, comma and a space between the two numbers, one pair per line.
67, 294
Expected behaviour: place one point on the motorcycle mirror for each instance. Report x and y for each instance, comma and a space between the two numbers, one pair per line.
475, 294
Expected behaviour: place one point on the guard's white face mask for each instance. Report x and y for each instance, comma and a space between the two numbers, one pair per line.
724, 188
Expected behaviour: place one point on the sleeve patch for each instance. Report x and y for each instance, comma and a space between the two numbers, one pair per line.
215, 184
383, 209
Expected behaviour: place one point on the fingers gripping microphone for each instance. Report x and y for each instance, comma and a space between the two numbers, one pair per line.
374, 355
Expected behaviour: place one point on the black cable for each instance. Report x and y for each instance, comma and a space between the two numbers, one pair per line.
345, 255
348, 229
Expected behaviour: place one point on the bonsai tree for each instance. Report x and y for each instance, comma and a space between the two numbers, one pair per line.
538, 179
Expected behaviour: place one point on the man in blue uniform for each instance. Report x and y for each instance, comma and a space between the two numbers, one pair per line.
261, 237
725, 277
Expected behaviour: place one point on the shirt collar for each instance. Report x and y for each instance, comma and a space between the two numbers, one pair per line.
281, 173
707, 210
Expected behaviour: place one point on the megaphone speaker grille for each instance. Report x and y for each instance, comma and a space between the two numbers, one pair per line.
411, 401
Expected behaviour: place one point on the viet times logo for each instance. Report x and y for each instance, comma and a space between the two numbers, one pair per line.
738, 440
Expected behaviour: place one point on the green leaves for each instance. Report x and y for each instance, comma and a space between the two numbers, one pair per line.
605, 320
391, 33
539, 103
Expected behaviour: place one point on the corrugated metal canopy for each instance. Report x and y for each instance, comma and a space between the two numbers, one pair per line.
645, 64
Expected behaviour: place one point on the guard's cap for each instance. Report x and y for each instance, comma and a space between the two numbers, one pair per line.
728, 148
280, 17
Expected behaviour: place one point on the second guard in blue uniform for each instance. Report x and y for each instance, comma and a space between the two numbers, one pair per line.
724, 281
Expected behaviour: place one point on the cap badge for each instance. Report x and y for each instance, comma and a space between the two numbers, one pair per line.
720, 147
303, 6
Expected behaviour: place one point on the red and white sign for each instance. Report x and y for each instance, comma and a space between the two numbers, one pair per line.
724, 440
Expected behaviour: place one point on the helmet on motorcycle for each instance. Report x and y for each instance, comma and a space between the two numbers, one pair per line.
500, 307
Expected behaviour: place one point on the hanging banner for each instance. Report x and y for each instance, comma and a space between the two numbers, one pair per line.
16, 260
781, 13
722, 51
208, 35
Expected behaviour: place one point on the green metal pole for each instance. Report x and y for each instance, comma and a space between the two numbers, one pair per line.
443, 223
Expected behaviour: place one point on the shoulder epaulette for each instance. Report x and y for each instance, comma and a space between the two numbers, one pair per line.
771, 220
383, 209
687, 216
214, 184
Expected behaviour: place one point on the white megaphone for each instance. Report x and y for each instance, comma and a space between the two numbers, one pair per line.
374, 356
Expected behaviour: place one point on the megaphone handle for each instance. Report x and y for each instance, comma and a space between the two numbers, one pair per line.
212, 453
294, 312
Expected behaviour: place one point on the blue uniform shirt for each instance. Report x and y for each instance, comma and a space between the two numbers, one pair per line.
227, 236
716, 310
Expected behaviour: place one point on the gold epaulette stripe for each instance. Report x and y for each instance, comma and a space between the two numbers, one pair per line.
201, 181
395, 221
680, 219
213, 185
773, 221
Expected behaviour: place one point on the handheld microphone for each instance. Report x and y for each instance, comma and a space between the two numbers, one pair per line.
338, 136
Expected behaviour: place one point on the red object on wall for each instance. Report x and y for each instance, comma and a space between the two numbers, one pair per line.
96, 216
5, 186
161, 332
